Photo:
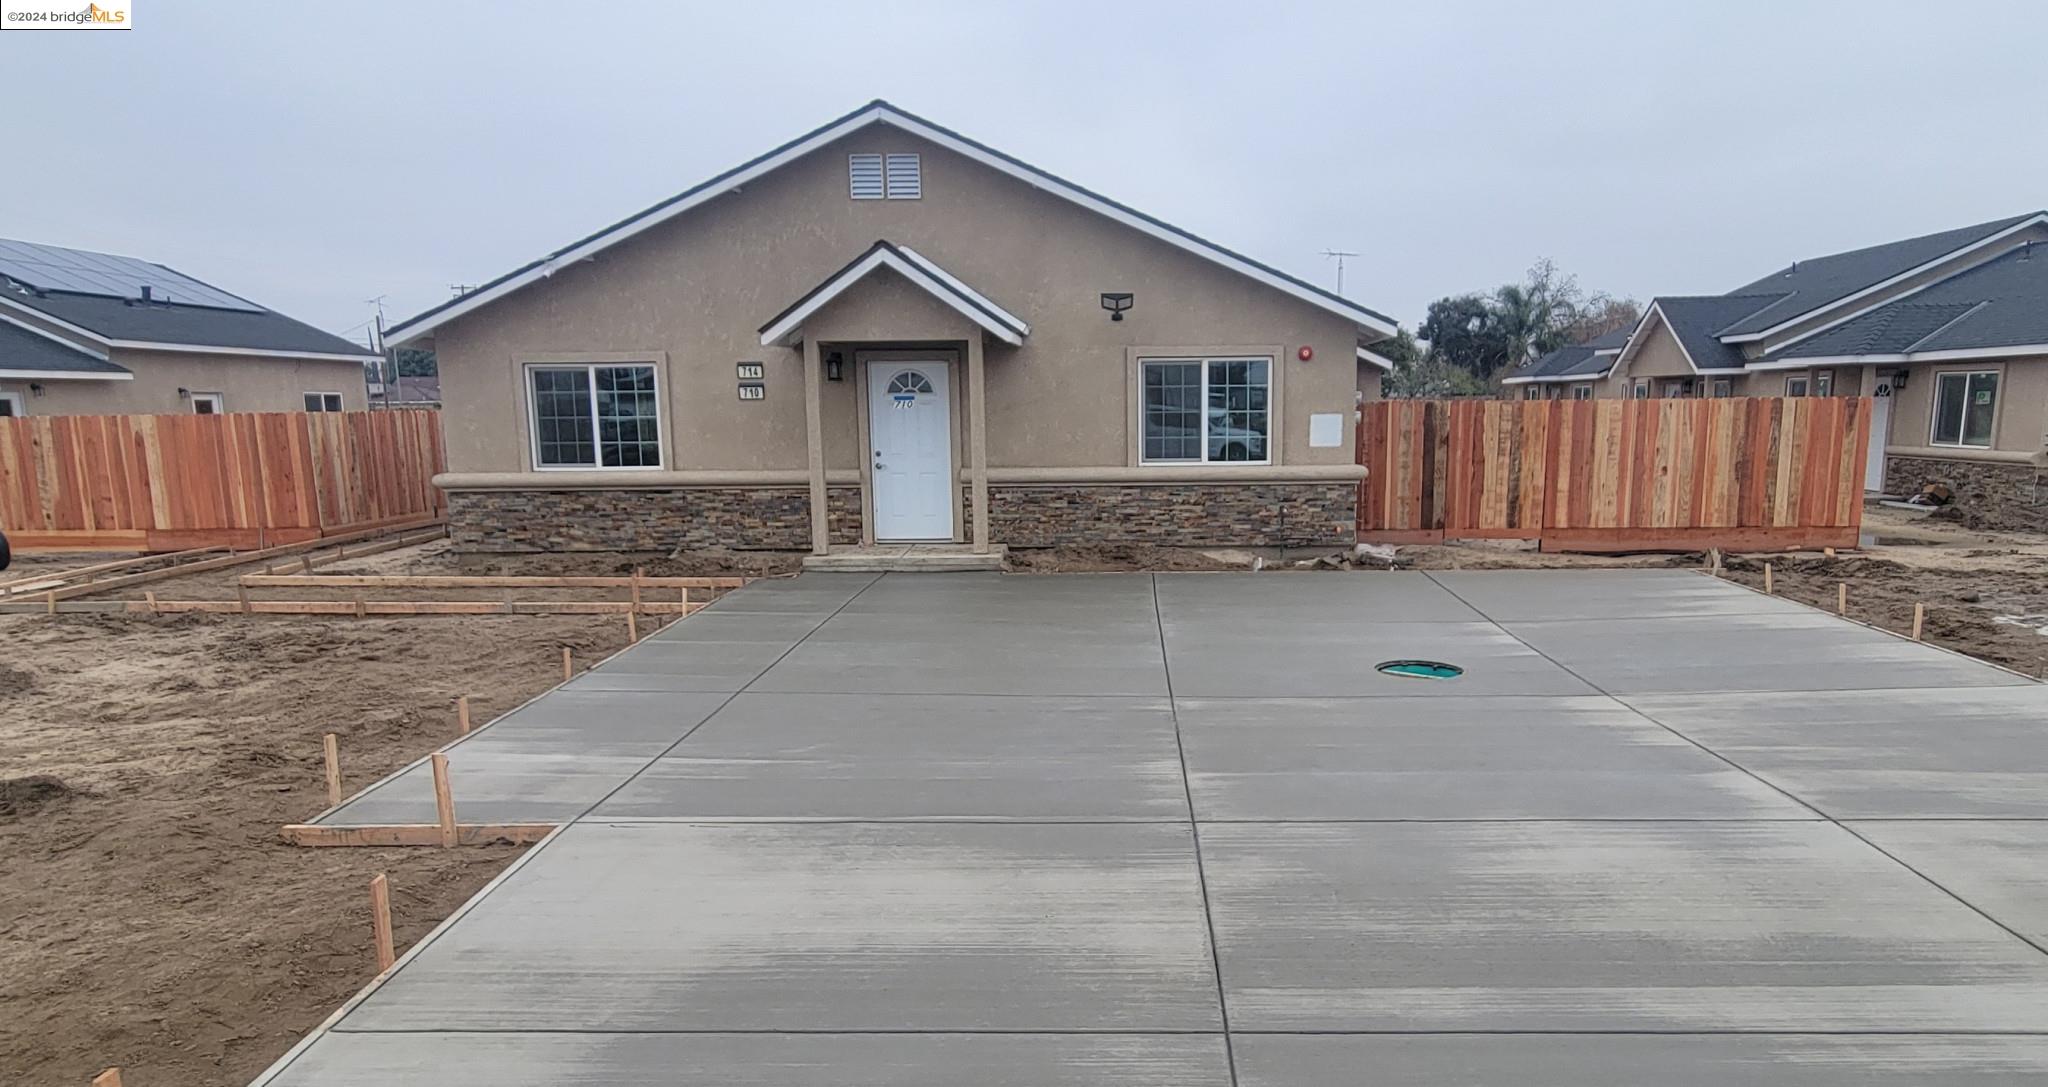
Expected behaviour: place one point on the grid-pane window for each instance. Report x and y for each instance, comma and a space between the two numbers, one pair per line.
323, 401
1173, 411
628, 430
1963, 408
1795, 386
1823, 383
595, 417
1237, 409
1582, 392
1207, 410
1723, 388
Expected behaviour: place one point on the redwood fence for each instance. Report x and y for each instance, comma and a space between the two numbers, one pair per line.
1747, 473
171, 482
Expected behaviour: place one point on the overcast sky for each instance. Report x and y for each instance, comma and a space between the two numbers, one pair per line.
313, 156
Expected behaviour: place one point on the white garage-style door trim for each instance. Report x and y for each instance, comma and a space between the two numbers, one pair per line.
910, 431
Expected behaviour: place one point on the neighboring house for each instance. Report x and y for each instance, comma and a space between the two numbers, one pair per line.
1569, 373
85, 333
408, 391
1949, 332
886, 331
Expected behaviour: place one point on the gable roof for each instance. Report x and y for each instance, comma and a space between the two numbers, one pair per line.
1576, 362
2002, 303
881, 112
786, 328
1811, 285
31, 353
123, 320
1693, 321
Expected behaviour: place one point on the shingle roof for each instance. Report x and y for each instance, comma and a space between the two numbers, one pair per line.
21, 349
1810, 284
2000, 303
192, 326
1696, 320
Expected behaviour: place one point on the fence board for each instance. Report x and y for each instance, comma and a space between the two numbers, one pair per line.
166, 482
1738, 473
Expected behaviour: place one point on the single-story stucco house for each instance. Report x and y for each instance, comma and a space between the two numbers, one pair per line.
85, 333
1949, 332
883, 331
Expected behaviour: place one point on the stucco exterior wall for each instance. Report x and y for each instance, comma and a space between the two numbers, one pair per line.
2020, 415
247, 382
691, 294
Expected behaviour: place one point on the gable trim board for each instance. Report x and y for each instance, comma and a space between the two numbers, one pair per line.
1962, 354
53, 337
159, 345
1380, 361
786, 328
1635, 340
65, 375
880, 112
2031, 221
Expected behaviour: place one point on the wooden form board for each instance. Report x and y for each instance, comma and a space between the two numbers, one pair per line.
414, 834
362, 608
122, 581
1742, 473
452, 581
251, 480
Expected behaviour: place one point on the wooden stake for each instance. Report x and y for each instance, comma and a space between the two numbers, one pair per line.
362, 608
568, 665
1841, 598
150, 596
1767, 578
242, 594
1919, 619
444, 800
380, 921
632, 627
332, 748
51, 601
1828, 551
306, 563
109, 1078
462, 715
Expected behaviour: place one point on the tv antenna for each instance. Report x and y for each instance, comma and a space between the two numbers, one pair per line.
1338, 255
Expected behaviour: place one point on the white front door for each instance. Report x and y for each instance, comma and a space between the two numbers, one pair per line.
1880, 432
911, 432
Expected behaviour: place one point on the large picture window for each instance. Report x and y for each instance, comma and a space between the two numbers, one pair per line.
594, 416
1206, 411
1964, 404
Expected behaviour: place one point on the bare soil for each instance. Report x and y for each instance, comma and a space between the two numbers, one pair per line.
153, 919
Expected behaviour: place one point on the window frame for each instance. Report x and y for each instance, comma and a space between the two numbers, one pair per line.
1805, 385
324, 398
1640, 390
1723, 388
1823, 383
590, 367
1204, 360
1582, 391
1962, 421
17, 401
219, 400
1532, 392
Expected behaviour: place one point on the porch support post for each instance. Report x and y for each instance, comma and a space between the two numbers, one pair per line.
977, 397
814, 441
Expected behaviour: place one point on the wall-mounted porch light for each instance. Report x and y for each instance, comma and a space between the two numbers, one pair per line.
1116, 302
35, 388
1899, 381
835, 366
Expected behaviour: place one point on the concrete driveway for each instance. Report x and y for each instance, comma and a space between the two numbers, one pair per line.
1177, 830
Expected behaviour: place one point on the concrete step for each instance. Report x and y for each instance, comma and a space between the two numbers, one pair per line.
907, 558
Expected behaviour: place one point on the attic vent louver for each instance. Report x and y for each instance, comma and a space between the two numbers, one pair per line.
864, 176
906, 178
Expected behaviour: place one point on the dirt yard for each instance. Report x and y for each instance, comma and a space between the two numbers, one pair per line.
153, 919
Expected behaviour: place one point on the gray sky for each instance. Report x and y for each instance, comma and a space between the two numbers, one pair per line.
311, 156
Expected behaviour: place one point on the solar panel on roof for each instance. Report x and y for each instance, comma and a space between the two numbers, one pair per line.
55, 268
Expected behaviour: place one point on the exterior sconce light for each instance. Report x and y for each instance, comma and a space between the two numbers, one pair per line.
1899, 380
184, 393
35, 388
835, 367
1116, 302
